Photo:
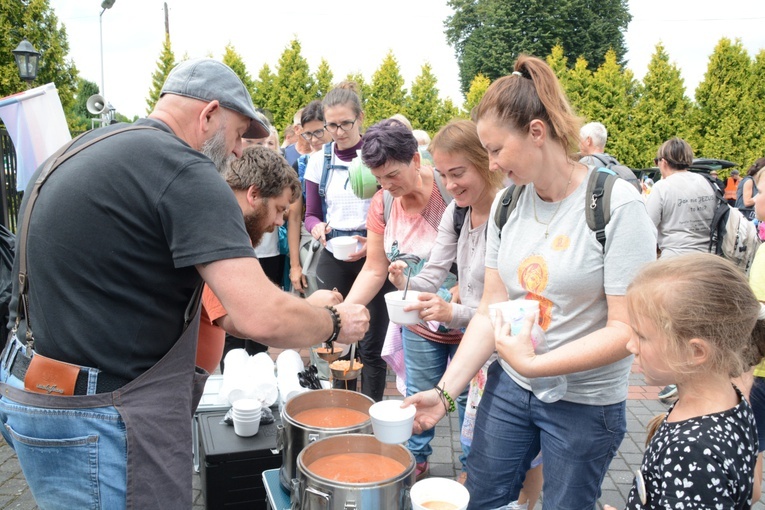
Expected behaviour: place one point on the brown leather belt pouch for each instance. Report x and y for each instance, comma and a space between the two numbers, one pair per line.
48, 376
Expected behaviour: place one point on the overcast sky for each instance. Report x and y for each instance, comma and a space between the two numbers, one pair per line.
353, 38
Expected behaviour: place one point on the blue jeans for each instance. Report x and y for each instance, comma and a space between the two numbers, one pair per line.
71, 458
577, 442
757, 401
425, 364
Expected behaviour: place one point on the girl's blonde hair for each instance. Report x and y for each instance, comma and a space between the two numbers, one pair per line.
703, 296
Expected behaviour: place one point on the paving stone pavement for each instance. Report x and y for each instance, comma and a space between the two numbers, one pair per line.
642, 405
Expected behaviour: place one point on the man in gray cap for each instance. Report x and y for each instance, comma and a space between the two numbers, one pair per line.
98, 379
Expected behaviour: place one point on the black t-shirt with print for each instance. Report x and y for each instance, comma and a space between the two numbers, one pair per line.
703, 462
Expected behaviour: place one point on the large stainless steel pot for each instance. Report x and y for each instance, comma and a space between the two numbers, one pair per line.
293, 436
312, 492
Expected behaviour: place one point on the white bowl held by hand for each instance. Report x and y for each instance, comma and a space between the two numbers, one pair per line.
396, 305
343, 247
390, 423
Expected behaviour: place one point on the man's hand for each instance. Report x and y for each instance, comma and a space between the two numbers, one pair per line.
355, 322
323, 297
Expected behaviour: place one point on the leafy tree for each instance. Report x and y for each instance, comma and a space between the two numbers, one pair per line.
232, 59
323, 79
488, 35
36, 21
663, 109
264, 95
422, 105
387, 93
478, 88
294, 86
165, 64
80, 114
724, 109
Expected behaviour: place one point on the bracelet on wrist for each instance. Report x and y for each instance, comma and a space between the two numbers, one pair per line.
336, 325
446, 399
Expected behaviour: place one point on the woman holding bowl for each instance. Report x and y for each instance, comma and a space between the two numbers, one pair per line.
408, 233
546, 252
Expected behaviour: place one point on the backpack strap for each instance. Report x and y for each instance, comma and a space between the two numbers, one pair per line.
458, 218
507, 205
597, 209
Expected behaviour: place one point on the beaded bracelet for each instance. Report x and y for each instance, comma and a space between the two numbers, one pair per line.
336, 325
445, 397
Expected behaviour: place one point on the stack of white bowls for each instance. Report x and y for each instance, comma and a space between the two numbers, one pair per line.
288, 365
246, 415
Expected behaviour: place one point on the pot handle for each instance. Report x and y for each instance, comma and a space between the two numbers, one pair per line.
313, 437
316, 493
279, 437
407, 503
295, 494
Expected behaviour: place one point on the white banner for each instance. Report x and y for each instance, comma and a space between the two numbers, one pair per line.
36, 123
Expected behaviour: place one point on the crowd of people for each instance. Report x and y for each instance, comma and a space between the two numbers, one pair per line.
188, 204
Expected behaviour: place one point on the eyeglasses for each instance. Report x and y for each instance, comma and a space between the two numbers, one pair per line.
319, 133
345, 125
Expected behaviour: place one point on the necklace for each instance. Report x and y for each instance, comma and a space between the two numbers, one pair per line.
560, 202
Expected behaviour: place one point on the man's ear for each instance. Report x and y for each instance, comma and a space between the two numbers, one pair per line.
253, 195
209, 117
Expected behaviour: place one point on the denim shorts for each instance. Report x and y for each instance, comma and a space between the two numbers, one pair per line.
577, 442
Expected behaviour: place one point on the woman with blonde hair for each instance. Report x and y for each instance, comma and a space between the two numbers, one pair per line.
546, 252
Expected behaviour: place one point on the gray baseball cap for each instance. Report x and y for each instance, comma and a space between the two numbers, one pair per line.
209, 80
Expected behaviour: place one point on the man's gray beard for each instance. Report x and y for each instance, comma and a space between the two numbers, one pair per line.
215, 149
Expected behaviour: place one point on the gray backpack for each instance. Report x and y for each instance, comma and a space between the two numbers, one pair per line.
625, 172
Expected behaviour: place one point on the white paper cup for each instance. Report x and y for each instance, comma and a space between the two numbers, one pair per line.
246, 428
396, 305
511, 310
431, 491
343, 247
390, 423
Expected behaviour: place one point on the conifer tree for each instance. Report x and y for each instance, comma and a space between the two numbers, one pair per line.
365, 90
323, 78
232, 59
663, 109
477, 89
294, 86
611, 101
165, 64
423, 108
755, 125
724, 109
387, 92
264, 95
577, 87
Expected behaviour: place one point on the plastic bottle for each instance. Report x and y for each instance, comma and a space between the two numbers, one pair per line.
547, 389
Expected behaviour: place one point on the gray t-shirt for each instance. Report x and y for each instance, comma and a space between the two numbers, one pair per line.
682, 206
468, 251
570, 276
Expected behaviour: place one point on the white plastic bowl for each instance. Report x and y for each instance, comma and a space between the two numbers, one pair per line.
396, 305
439, 490
343, 247
390, 423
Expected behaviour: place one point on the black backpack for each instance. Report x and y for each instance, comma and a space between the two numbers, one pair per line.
622, 171
597, 205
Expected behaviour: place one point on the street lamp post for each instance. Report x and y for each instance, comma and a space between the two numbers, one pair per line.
106, 4
27, 60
